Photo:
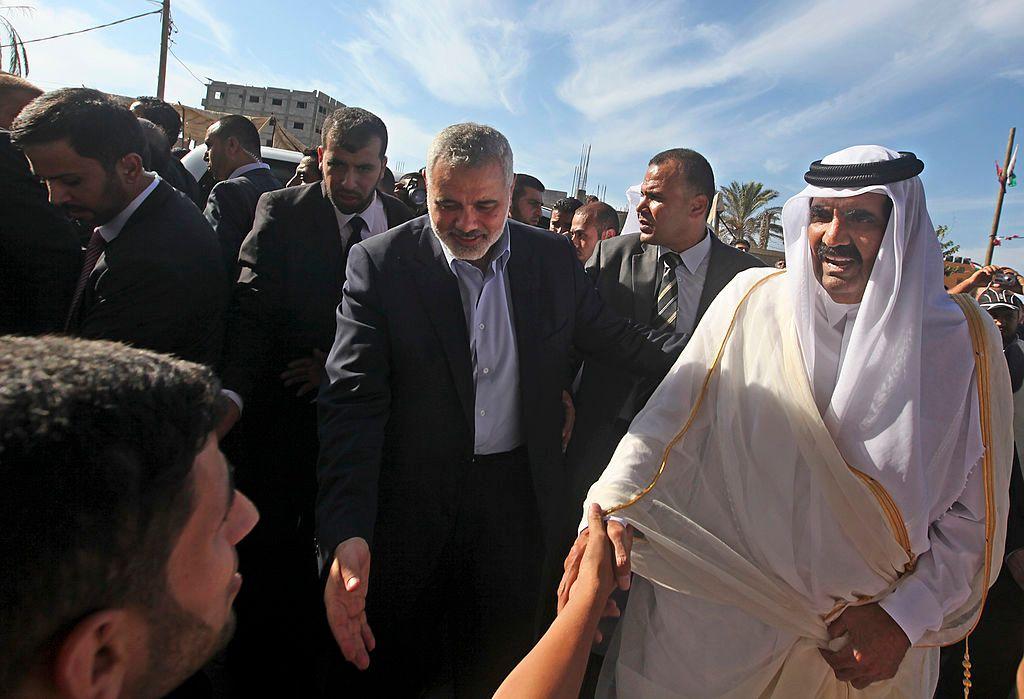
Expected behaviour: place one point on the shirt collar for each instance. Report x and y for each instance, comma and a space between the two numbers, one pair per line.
112, 228
694, 256
249, 167
835, 312
368, 214
502, 249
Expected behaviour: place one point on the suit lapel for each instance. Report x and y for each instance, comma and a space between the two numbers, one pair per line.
715, 279
440, 293
644, 281
325, 227
525, 298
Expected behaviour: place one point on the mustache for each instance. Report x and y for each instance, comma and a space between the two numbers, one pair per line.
851, 251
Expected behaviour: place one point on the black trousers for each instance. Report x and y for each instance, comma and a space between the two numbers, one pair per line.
997, 644
461, 633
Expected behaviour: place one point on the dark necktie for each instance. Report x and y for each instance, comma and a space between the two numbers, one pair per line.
667, 304
356, 227
92, 256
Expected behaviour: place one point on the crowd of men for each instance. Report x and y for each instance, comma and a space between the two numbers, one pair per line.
384, 403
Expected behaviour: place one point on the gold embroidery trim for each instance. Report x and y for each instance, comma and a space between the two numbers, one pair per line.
696, 406
975, 324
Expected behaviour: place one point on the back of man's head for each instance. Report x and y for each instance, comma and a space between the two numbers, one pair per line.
15, 93
242, 130
97, 444
352, 129
601, 215
567, 206
694, 168
160, 113
158, 151
94, 126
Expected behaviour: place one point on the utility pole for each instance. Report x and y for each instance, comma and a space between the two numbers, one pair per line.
999, 199
165, 37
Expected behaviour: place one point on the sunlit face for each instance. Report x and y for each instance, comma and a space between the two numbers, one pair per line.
81, 186
308, 170
352, 177
202, 571
218, 155
468, 207
845, 234
527, 208
585, 235
670, 212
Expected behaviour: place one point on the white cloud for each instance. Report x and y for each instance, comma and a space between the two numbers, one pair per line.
219, 32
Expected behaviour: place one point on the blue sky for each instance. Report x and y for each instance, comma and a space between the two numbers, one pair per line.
759, 88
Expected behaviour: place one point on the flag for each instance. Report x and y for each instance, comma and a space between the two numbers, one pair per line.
999, 172
1011, 177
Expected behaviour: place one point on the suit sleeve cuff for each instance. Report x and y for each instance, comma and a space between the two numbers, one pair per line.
234, 398
913, 606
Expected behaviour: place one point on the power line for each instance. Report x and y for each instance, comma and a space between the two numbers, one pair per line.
82, 31
198, 79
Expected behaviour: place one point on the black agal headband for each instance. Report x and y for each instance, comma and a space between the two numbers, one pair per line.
864, 174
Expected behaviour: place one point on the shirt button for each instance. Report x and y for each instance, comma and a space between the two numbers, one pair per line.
486, 370
483, 413
481, 326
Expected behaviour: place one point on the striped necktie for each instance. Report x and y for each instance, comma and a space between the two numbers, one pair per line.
667, 304
92, 255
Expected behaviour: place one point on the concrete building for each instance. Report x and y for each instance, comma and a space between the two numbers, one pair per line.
301, 113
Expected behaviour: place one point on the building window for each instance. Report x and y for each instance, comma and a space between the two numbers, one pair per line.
319, 130
254, 98
276, 101
218, 95
300, 105
298, 125
322, 109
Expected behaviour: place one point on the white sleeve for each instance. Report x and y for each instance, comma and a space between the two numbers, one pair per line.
234, 398
941, 580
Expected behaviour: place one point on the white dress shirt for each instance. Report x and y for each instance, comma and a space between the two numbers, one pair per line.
373, 216
690, 276
248, 168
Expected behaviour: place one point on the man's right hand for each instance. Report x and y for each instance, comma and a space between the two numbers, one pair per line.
982, 276
231, 415
621, 537
345, 599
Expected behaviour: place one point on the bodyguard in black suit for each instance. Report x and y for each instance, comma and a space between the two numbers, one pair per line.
281, 326
152, 275
233, 156
441, 477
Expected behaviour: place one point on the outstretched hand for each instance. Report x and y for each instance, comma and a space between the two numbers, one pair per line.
875, 648
345, 599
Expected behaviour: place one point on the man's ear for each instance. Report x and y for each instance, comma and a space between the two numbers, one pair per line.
93, 660
699, 206
319, 155
130, 168
608, 233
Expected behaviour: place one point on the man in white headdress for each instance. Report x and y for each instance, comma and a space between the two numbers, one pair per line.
819, 487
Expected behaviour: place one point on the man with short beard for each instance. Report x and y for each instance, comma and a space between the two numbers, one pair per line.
152, 275
441, 431
118, 520
281, 326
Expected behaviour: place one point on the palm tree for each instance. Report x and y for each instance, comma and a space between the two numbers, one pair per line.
17, 57
768, 226
742, 214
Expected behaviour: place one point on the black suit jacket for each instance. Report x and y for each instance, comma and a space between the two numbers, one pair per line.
160, 283
177, 175
626, 272
396, 420
289, 285
40, 253
231, 208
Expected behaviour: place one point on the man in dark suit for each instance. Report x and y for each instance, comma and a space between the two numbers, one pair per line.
281, 326
40, 254
172, 172
441, 455
630, 273
233, 156
152, 275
